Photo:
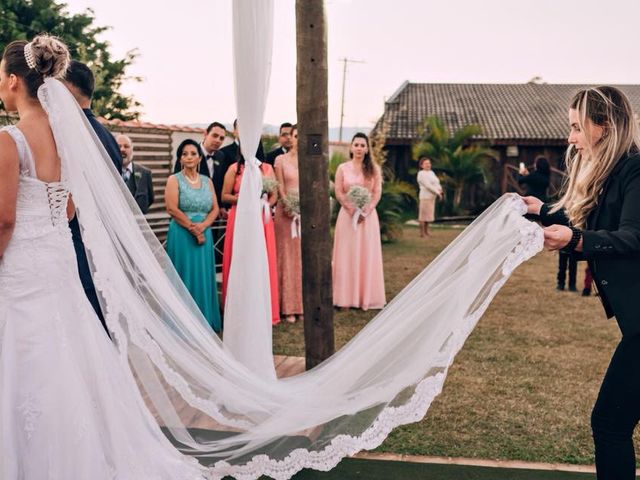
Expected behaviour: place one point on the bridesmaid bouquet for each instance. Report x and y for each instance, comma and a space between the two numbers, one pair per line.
269, 185
360, 197
291, 205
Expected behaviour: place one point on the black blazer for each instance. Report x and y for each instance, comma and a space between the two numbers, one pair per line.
105, 137
140, 185
273, 154
611, 243
218, 171
111, 146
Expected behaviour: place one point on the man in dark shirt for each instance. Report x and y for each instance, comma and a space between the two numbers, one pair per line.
81, 83
284, 139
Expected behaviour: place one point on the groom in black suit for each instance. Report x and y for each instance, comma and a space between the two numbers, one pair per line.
80, 81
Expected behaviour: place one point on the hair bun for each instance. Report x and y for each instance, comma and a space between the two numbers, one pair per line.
51, 56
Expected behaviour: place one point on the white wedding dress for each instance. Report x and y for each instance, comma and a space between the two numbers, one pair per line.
69, 409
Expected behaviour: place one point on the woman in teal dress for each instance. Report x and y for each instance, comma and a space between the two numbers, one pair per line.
192, 204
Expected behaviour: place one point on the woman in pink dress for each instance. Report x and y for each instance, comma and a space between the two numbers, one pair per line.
287, 234
230, 190
358, 278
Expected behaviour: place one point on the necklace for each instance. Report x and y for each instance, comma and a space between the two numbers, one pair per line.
192, 182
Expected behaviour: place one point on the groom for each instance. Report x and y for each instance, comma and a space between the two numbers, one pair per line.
81, 83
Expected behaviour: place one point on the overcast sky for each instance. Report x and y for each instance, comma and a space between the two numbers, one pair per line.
185, 50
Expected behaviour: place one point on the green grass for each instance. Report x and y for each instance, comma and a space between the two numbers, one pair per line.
522, 387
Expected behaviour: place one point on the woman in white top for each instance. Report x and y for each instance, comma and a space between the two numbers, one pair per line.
429, 189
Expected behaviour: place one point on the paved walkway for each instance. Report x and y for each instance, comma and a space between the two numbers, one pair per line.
361, 469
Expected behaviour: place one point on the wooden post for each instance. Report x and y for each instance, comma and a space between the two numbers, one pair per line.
313, 155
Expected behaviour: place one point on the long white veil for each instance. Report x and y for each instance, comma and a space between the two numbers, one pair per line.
242, 423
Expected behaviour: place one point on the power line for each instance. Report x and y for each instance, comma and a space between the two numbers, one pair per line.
345, 60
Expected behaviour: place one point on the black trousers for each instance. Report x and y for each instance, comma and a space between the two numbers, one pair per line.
564, 260
617, 412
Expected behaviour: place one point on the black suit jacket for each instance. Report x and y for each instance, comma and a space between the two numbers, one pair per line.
611, 243
273, 154
111, 146
217, 177
140, 185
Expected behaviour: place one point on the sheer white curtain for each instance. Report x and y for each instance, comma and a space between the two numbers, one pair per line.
247, 315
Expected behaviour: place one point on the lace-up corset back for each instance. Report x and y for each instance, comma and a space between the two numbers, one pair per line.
41, 207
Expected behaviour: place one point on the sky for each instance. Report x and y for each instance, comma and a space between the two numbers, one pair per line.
185, 51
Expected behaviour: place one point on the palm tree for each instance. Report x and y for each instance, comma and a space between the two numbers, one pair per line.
462, 164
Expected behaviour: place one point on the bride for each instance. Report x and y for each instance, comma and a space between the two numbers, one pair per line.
61, 384
74, 405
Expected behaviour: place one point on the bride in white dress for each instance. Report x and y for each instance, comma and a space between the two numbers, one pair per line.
71, 403
61, 382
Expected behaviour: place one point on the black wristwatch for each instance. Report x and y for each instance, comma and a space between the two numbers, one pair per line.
576, 235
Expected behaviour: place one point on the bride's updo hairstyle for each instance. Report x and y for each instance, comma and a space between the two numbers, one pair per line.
45, 56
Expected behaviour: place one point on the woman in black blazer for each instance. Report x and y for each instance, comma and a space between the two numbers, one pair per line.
598, 216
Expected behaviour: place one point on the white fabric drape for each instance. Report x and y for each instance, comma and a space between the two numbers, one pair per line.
247, 315
241, 422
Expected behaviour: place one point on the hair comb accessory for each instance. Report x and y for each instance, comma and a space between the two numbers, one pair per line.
28, 56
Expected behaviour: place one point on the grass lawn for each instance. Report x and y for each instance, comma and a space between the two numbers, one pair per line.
523, 386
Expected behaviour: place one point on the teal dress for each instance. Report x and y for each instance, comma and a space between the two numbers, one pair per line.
195, 263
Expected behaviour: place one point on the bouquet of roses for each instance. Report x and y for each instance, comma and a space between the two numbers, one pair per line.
359, 197
291, 205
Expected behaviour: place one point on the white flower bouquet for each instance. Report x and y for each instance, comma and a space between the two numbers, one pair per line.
359, 197
269, 185
291, 203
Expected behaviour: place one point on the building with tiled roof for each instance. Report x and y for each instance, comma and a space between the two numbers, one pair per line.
519, 121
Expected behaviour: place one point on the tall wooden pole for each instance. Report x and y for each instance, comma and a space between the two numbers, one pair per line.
313, 155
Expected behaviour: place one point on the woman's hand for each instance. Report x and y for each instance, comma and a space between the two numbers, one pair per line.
533, 205
556, 237
199, 227
200, 239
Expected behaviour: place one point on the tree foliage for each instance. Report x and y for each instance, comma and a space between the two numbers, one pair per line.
397, 196
23, 19
461, 163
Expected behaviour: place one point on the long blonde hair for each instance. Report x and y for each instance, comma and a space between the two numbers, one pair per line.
609, 108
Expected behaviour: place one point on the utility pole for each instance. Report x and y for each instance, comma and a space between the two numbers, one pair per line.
313, 155
345, 60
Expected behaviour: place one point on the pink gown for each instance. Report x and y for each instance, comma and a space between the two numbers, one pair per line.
288, 248
358, 277
270, 238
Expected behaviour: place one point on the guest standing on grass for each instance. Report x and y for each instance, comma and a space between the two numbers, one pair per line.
191, 202
598, 217
358, 277
430, 189
287, 225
